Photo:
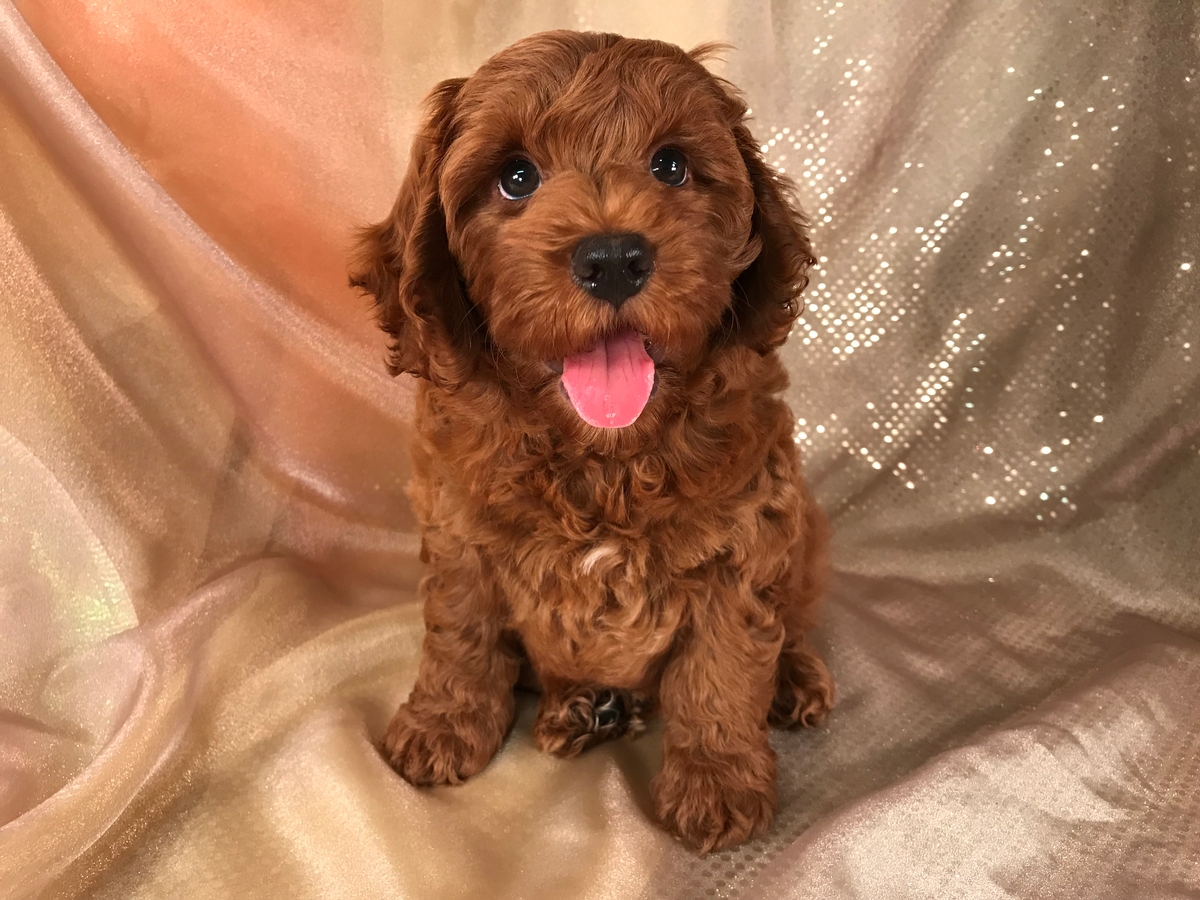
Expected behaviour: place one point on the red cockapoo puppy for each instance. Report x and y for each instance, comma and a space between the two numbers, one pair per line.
589, 267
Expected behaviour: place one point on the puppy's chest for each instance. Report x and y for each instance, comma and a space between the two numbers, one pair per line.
599, 565
595, 561
594, 608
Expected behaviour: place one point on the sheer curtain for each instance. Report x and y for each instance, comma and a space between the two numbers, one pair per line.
207, 564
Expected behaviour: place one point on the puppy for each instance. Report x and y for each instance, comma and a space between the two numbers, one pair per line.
589, 267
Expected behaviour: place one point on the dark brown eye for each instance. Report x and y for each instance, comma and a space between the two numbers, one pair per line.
669, 166
519, 179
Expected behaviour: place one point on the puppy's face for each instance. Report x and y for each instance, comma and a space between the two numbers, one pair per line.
604, 221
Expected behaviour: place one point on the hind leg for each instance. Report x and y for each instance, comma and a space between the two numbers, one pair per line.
804, 691
572, 718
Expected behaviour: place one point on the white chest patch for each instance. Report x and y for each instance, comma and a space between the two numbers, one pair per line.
600, 559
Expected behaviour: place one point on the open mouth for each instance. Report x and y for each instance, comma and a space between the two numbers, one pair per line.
610, 383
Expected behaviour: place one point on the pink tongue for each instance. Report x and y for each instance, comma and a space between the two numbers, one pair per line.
609, 383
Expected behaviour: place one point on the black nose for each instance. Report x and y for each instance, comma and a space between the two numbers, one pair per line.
612, 267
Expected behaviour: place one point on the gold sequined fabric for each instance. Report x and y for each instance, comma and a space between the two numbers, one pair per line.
207, 564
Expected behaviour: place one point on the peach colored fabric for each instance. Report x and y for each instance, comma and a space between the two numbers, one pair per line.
207, 566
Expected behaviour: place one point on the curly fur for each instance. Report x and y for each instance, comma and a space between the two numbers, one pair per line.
674, 564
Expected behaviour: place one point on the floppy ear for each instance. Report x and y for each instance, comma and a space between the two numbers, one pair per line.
405, 262
766, 296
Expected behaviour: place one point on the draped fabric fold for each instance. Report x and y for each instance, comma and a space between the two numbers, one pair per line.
208, 566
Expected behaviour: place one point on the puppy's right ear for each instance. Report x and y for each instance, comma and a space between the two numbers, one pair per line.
406, 264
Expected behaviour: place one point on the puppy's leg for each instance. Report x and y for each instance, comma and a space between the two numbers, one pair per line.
572, 717
462, 704
804, 691
716, 787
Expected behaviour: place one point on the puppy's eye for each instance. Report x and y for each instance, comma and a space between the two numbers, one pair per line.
669, 166
519, 179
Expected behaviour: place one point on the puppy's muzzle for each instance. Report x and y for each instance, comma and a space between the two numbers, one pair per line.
612, 267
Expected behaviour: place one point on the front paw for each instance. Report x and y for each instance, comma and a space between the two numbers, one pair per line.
714, 801
425, 748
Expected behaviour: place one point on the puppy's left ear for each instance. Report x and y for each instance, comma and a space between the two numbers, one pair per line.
766, 296
405, 263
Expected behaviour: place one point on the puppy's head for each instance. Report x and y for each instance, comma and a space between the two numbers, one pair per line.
588, 218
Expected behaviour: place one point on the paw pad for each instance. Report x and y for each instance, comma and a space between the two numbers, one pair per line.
568, 725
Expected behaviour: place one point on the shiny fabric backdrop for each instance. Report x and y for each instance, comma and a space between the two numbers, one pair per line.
207, 567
